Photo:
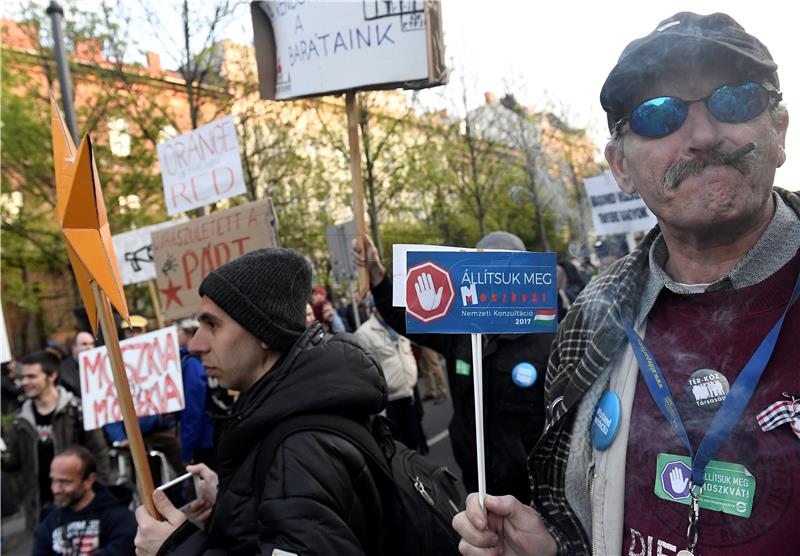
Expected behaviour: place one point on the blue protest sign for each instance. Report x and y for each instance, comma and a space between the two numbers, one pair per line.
480, 292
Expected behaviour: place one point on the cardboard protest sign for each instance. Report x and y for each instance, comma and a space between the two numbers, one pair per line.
340, 246
184, 254
134, 252
314, 48
201, 167
481, 292
153, 365
613, 210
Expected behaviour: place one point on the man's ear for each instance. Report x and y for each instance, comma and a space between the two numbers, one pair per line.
781, 128
264, 346
91, 478
616, 162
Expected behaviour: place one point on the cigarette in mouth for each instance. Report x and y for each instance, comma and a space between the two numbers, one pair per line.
740, 152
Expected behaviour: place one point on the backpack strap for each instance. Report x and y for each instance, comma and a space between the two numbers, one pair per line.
351, 430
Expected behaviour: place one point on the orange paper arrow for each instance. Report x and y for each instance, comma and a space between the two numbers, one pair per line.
84, 223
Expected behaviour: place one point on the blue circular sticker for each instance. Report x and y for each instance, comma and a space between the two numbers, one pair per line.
524, 375
606, 421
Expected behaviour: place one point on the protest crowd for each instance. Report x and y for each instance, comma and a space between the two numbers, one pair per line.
659, 394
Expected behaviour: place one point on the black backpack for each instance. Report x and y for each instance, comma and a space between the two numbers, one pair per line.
420, 498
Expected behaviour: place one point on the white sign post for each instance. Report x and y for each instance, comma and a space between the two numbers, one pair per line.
153, 365
201, 167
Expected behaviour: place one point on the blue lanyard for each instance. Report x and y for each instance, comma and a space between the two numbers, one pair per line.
731, 410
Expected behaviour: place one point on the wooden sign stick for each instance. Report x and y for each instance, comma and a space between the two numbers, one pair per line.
151, 284
351, 102
144, 479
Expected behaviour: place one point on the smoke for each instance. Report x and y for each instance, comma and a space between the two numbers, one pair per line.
742, 159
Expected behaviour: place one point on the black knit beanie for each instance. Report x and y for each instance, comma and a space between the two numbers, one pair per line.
266, 292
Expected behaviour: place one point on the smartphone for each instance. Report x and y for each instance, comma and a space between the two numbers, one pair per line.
182, 490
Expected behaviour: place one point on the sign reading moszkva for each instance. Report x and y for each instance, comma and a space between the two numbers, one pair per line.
613, 210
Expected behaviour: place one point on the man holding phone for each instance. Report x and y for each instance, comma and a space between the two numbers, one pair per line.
317, 496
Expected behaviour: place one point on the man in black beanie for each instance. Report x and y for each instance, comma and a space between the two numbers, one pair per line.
317, 495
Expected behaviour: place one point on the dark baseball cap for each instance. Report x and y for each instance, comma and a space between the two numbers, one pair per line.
683, 41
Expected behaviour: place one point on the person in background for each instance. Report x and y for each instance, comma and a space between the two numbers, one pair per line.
86, 518
69, 368
673, 376
341, 310
393, 352
430, 367
11, 391
196, 424
325, 314
137, 326
48, 422
310, 318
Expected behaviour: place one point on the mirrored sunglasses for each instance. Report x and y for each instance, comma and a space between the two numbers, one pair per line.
730, 104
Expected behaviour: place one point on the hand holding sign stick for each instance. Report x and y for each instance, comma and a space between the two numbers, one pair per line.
477, 384
82, 215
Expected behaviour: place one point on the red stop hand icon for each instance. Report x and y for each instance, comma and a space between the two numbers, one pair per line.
429, 292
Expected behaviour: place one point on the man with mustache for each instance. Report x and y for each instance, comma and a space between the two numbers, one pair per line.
641, 453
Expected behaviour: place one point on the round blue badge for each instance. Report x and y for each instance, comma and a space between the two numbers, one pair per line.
606, 421
524, 375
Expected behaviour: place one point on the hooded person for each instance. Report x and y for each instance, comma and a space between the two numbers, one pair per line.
318, 495
513, 414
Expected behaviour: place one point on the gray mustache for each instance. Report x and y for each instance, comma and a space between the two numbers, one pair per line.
741, 159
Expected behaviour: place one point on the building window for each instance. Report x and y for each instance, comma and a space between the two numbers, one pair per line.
119, 140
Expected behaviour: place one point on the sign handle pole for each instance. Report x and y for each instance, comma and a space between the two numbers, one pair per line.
477, 384
144, 479
156, 303
351, 102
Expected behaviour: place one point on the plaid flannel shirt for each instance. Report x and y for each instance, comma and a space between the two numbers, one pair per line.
588, 339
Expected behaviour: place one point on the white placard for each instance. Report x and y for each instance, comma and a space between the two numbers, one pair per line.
613, 210
134, 252
153, 365
5, 350
335, 46
201, 167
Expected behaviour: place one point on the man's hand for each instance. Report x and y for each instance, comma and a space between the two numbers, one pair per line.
372, 260
152, 533
509, 529
199, 510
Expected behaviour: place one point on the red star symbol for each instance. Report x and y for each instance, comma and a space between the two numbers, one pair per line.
171, 293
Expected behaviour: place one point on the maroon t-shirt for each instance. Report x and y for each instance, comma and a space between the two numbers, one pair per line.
718, 331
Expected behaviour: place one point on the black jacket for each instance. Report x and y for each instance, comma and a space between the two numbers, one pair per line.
319, 497
513, 417
105, 525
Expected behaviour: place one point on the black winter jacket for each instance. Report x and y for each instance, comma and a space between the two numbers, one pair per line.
319, 496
